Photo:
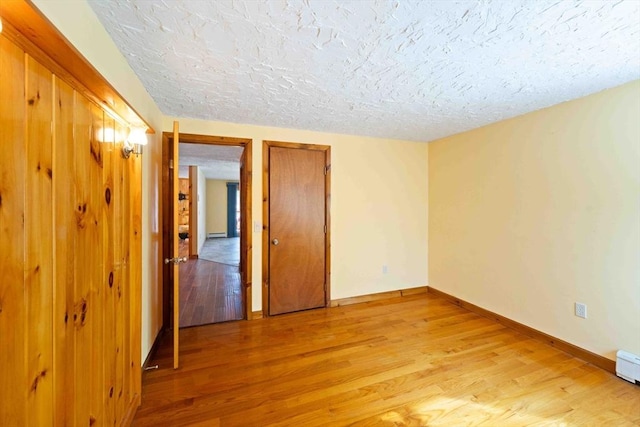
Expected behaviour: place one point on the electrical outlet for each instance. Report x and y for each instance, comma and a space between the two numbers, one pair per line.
581, 310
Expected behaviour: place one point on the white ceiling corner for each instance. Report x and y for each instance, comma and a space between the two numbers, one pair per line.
407, 69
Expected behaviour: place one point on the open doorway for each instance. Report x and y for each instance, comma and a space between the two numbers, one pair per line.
212, 230
209, 213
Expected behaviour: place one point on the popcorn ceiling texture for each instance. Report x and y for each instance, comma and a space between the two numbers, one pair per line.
415, 70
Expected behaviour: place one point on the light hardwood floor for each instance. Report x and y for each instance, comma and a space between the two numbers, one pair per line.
417, 360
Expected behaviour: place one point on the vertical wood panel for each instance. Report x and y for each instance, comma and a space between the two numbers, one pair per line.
136, 274
39, 245
175, 245
13, 387
126, 277
83, 267
64, 250
119, 253
97, 303
107, 242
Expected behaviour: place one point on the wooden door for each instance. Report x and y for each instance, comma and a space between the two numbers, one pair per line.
297, 228
175, 255
243, 229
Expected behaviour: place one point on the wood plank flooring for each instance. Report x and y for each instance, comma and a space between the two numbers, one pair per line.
417, 360
209, 293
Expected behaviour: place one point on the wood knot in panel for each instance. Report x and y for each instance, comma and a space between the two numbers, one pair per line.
111, 279
80, 313
80, 215
94, 148
107, 195
37, 379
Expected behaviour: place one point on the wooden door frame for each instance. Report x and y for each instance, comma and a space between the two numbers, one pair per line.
265, 216
167, 203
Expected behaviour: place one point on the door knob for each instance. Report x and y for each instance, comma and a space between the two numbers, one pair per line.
275, 242
175, 260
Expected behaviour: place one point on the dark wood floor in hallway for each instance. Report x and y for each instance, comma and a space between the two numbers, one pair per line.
209, 293
417, 360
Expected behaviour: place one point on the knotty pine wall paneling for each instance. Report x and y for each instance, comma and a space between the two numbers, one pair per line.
117, 199
13, 364
64, 248
109, 341
135, 272
38, 221
82, 234
70, 261
96, 297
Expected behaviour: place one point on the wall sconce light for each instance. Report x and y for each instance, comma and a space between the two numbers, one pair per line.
134, 142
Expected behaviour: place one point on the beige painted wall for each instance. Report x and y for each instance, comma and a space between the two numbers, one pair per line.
77, 22
379, 206
529, 215
216, 206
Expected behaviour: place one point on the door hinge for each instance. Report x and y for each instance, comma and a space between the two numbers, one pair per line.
170, 163
325, 229
327, 169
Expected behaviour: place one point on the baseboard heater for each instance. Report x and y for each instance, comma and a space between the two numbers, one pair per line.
214, 235
628, 366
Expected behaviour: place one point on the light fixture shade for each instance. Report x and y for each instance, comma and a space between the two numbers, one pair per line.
138, 136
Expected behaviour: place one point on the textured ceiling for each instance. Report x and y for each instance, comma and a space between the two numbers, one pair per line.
415, 70
215, 161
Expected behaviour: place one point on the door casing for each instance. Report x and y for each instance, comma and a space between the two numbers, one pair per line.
265, 216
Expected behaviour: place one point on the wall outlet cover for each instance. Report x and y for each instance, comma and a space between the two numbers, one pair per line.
581, 310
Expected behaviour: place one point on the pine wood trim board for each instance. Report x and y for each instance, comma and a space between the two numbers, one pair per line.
595, 359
